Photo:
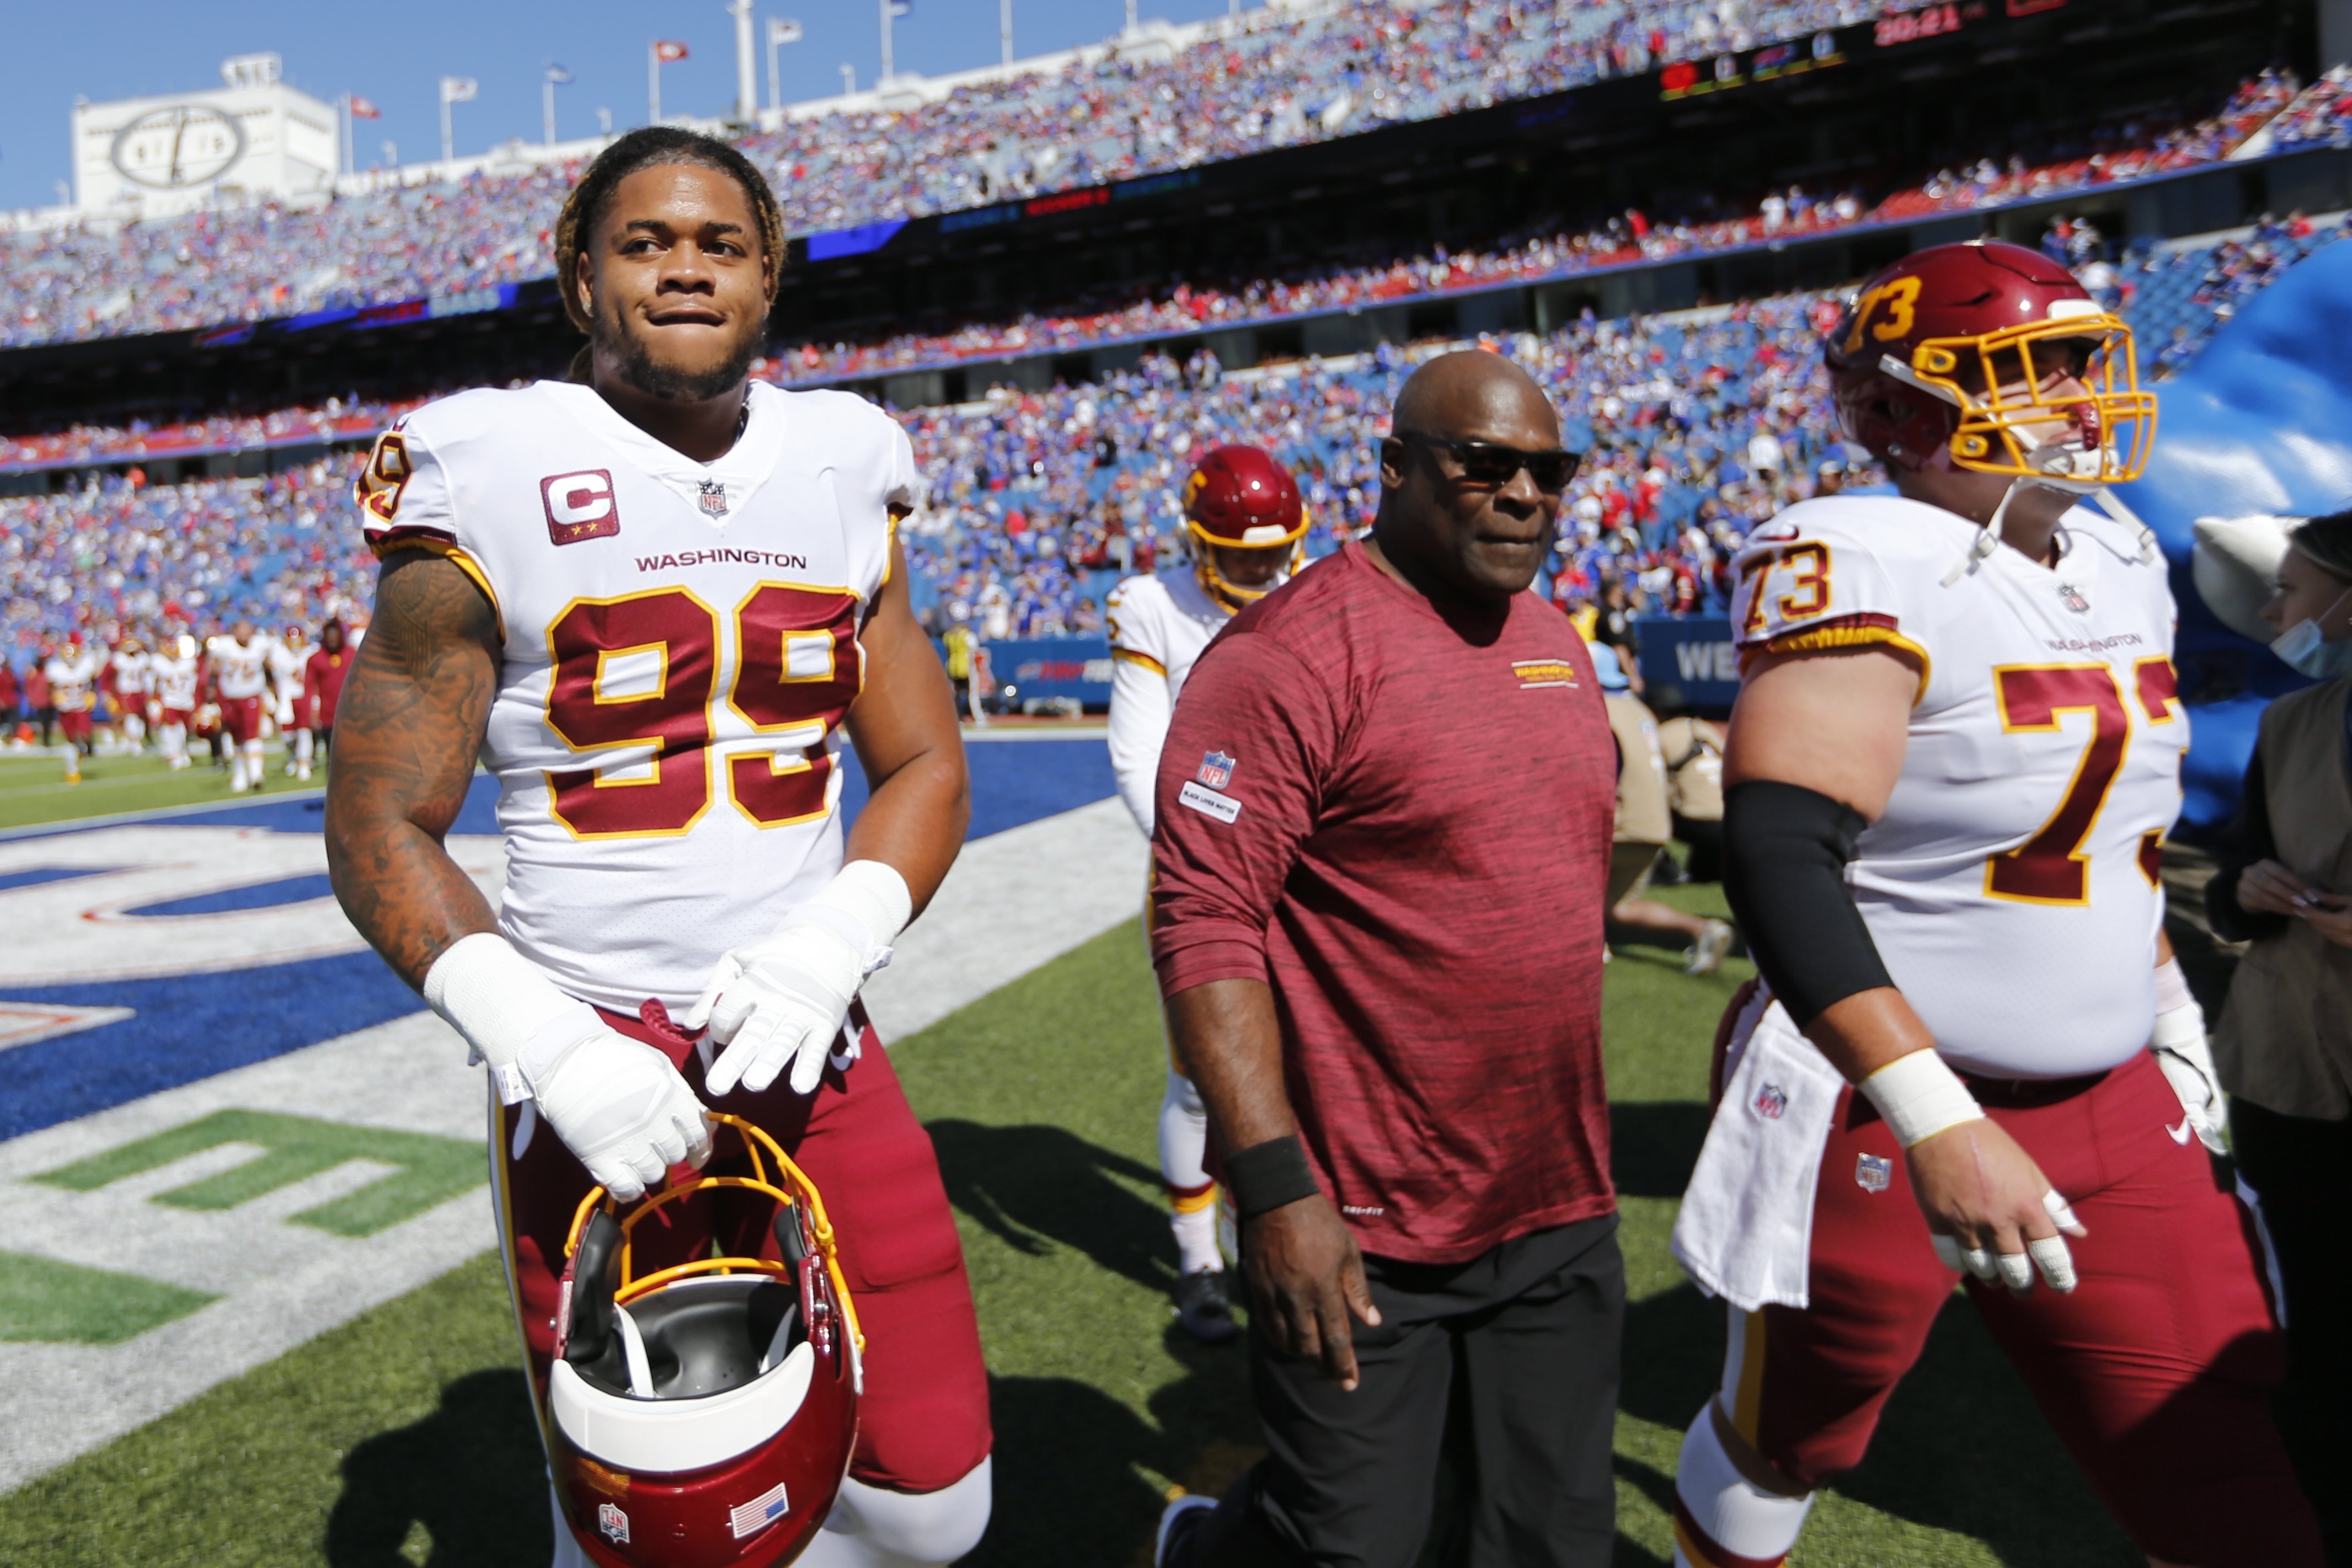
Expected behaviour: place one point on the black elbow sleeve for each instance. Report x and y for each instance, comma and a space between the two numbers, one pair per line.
1785, 850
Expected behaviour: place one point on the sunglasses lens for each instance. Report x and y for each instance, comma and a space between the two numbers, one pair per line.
1552, 470
1489, 464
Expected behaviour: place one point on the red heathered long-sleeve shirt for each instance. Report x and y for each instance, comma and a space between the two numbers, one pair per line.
1399, 818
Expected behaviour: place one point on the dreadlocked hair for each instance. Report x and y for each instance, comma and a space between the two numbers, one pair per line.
644, 148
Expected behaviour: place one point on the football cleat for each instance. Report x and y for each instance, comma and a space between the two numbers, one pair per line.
1239, 497
703, 1415
1705, 956
1203, 1307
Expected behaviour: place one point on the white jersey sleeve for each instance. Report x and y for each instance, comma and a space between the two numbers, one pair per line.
1142, 698
1809, 579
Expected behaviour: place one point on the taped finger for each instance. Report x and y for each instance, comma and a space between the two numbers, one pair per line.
1948, 1252
2016, 1272
1981, 1263
2052, 1256
2061, 1214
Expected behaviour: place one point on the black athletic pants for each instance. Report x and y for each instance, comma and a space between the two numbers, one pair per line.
1515, 1352
2302, 1169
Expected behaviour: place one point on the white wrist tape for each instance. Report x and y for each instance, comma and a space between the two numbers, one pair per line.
866, 905
509, 1012
1919, 1095
2172, 992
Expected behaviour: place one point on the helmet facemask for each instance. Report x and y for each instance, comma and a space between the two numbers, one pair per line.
1232, 595
2012, 422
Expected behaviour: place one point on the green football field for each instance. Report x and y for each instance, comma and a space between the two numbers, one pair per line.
405, 1436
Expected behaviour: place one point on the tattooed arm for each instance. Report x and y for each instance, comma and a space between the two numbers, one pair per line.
407, 734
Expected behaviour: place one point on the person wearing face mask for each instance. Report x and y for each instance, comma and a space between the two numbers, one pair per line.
2283, 1048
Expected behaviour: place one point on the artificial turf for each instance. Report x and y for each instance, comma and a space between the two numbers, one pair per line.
405, 1436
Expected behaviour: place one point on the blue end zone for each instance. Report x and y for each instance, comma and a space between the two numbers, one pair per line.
2261, 421
191, 1026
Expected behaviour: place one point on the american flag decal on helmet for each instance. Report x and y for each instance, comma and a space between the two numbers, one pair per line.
751, 1518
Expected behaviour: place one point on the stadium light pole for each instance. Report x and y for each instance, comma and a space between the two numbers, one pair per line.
555, 78
1131, 18
453, 89
781, 30
891, 9
848, 79
1005, 29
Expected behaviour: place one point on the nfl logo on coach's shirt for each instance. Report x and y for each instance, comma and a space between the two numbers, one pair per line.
714, 498
1216, 770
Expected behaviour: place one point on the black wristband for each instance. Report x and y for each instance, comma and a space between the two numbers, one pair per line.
1268, 1175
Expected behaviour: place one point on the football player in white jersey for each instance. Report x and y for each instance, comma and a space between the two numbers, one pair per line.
1953, 758
73, 673
127, 682
652, 599
176, 676
238, 669
1243, 512
289, 655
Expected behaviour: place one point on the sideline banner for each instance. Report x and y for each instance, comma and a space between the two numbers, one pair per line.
1688, 663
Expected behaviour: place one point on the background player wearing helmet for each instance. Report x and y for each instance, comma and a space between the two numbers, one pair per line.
1244, 513
127, 686
1980, 673
523, 620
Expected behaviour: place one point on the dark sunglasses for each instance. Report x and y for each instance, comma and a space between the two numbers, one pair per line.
1490, 468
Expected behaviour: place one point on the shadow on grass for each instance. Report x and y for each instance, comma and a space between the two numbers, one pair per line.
1026, 1183
470, 1474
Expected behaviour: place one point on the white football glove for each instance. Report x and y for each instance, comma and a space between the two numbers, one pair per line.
2178, 1044
617, 1104
781, 1002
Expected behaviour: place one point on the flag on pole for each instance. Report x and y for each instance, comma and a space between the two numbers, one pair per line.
362, 110
459, 90
668, 49
783, 30
558, 75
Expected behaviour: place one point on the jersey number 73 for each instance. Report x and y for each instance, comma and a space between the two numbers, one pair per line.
2051, 867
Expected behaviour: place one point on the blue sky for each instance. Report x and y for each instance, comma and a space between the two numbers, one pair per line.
395, 55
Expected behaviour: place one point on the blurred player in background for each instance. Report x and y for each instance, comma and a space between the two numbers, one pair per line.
127, 687
238, 668
1645, 824
1955, 754
1243, 512
665, 739
289, 656
176, 674
73, 673
322, 688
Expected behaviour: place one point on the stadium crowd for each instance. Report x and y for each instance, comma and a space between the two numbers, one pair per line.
1335, 71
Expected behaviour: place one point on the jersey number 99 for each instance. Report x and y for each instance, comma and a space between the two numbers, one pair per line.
642, 670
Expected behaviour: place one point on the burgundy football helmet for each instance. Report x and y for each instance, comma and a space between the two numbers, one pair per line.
1239, 497
1991, 356
702, 1416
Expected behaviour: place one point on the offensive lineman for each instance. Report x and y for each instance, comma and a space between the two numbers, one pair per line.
650, 603
238, 667
1956, 751
1247, 519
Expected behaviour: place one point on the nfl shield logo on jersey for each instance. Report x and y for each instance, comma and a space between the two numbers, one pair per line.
714, 498
1772, 1102
2072, 598
613, 1522
1216, 770
1872, 1171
